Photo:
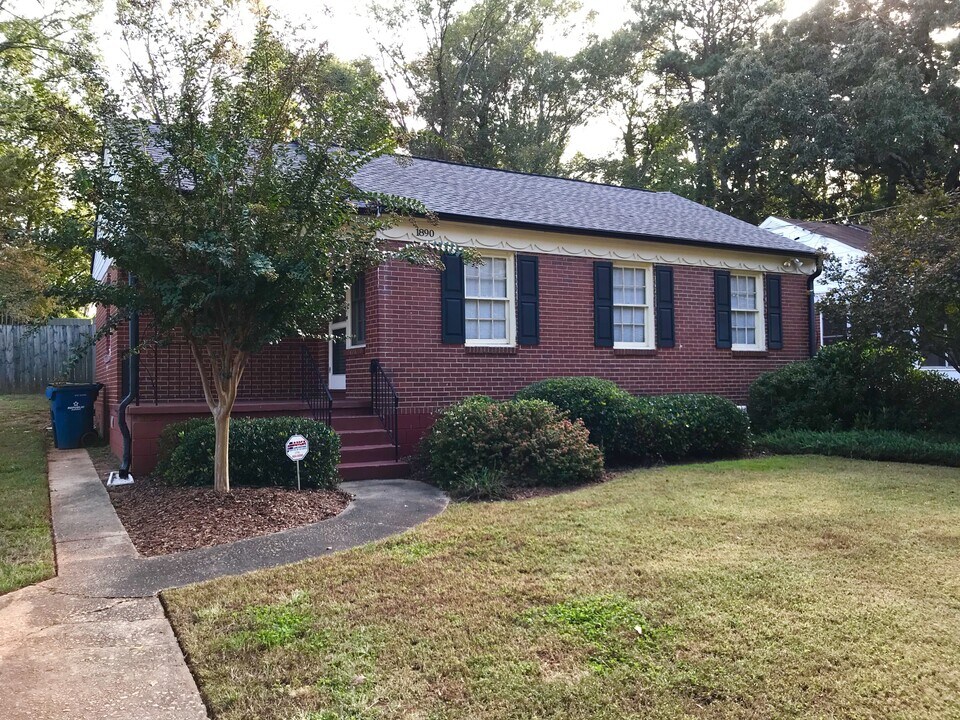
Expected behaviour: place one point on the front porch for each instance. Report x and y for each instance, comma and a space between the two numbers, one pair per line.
291, 378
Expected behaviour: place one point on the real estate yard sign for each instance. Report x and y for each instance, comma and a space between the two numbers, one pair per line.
297, 448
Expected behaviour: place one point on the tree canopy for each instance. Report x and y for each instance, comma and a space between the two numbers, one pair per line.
46, 135
907, 289
484, 89
841, 110
226, 190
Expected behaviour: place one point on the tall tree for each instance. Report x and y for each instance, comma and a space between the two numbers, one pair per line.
46, 136
695, 40
907, 290
843, 109
484, 90
226, 190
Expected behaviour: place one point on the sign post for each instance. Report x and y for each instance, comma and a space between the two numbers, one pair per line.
297, 448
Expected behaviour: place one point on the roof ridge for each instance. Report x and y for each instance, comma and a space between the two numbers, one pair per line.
522, 172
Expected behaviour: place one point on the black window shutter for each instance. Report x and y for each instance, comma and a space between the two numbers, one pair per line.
603, 303
774, 313
528, 300
663, 303
721, 301
452, 323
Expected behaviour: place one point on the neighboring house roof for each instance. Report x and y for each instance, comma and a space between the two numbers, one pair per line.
855, 236
500, 197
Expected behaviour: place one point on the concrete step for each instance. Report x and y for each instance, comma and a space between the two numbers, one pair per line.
374, 470
368, 453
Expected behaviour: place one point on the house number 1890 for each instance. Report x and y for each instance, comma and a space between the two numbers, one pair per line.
425, 232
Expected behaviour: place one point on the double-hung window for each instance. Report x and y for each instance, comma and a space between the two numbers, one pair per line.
632, 326
746, 312
488, 301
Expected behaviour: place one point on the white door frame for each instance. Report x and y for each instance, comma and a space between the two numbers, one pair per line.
336, 382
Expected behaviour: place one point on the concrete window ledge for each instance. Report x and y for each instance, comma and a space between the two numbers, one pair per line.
490, 350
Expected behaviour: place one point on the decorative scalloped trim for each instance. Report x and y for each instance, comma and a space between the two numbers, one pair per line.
608, 250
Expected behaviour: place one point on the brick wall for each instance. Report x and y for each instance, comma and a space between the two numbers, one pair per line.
430, 375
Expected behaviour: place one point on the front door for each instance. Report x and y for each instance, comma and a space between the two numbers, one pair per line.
338, 354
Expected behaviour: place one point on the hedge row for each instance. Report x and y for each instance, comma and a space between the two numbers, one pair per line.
552, 433
864, 445
849, 386
257, 455
648, 429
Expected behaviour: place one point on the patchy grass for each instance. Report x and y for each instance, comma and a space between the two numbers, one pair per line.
786, 587
26, 546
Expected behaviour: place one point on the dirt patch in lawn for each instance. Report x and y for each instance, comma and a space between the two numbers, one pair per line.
163, 519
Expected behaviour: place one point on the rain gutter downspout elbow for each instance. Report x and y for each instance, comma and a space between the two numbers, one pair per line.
812, 309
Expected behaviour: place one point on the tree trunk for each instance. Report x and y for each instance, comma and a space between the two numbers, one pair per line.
221, 451
220, 391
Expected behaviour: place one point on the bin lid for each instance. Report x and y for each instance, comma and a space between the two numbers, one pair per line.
52, 388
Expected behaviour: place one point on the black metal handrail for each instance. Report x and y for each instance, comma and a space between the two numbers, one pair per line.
384, 401
314, 390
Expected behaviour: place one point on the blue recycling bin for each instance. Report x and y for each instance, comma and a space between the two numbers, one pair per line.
71, 412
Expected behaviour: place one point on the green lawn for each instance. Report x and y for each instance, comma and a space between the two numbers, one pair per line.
26, 548
784, 587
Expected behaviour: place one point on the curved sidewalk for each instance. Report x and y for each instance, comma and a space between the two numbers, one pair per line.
94, 641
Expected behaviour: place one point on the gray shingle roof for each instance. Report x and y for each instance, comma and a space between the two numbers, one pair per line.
856, 236
500, 197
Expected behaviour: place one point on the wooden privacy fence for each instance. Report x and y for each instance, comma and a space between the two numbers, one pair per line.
31, 357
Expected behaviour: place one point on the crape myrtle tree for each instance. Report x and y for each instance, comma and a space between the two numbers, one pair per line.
907, 290
226, 191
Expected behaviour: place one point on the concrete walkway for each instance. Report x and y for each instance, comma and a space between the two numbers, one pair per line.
95, 643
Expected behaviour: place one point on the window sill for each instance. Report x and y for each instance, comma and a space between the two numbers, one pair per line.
634, 352
357, 347
490, 349
745, 352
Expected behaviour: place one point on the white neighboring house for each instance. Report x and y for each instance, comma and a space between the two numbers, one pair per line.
849, 244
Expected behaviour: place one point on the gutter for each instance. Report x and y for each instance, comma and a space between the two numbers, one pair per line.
133, 387
812, 310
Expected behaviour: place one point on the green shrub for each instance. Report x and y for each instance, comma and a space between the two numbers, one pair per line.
523, 442
605, 408
171, 436
863, 444
855, 386
674, 427
257, 456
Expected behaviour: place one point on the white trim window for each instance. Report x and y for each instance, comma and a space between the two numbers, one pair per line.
746, 312
488, 301
632, 288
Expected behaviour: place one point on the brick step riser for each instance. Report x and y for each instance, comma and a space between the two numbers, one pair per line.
357, 422
364, 437
364, 454
340, 411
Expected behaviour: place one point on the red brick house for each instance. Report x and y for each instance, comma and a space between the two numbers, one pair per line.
648, 289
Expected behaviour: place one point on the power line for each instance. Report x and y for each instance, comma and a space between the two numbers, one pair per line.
953, 195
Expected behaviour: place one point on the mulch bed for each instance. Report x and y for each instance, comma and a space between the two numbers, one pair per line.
163, 519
